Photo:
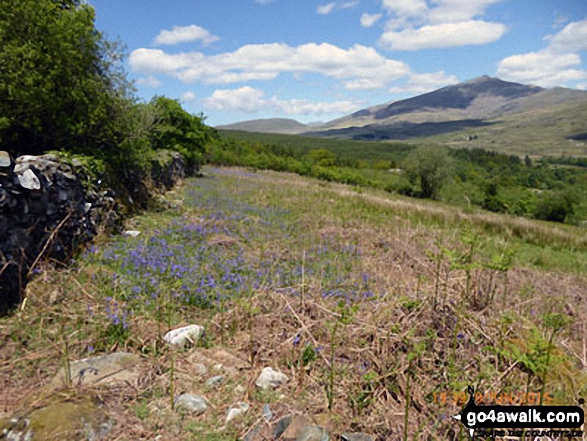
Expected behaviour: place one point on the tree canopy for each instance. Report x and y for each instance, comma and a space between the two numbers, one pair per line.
430, 165
62, 87
60, 84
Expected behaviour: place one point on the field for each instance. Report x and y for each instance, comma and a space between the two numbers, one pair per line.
548, 188
380, 309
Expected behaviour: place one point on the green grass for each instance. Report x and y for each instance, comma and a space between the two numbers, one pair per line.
537, 132
349, 292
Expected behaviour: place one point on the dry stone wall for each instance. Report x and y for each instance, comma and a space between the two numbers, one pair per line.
46, 213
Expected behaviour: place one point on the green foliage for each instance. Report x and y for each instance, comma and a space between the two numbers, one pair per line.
322, 157
60, 82
556, 206
63, 89
430, 166
176, 129
474, 178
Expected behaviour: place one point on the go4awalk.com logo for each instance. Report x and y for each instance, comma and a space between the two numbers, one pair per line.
510, 420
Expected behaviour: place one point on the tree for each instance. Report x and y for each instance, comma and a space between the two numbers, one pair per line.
322, 157
61, 84
175, 129
431, 167
556, 206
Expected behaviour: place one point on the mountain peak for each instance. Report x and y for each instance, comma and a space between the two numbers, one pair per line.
458, 96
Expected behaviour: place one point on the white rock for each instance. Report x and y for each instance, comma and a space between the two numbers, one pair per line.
132, 233
187, 334
236, 411
271, 379
29, 180
188, 403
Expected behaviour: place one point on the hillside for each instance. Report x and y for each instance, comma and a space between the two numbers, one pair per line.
378, 310
478, 99
271, 125
485, 112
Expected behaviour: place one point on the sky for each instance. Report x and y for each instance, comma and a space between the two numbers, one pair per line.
236, 60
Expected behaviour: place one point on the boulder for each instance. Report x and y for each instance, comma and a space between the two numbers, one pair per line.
110, 369
64, 419
184, 335
190, 404
271, 379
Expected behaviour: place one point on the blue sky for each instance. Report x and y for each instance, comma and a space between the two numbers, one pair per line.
309, 60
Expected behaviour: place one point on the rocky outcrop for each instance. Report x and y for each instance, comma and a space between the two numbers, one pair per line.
167, 168
49, 207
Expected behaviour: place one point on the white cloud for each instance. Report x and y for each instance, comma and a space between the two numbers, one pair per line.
184, 34
421, 24
545, 68
444, 35
246, 99
572, 38
418, 84
368, 20
326, 9
188, 96
559, 64
267, 61
348, 5
364, 84
250, 100
452, 11
149, 81
406, 8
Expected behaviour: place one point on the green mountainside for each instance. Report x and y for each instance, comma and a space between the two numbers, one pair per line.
484, 112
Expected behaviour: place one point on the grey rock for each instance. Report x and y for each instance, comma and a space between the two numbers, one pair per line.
5, 160
282, 425
236, 411
313, 433
190, 404
111, 369
271, 379
29, 180
81, 419
215, 381
356, 436
267, 413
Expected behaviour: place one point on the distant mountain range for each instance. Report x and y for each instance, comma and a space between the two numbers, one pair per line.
271, 125
485, 112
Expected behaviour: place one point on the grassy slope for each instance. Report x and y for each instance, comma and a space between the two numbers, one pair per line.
284, 251
538, 131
